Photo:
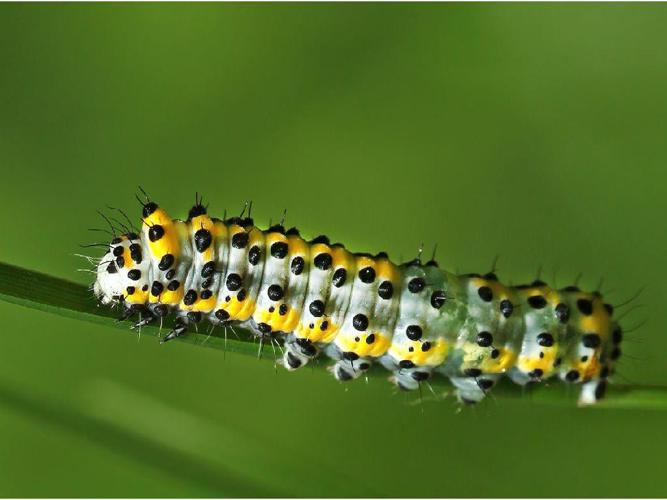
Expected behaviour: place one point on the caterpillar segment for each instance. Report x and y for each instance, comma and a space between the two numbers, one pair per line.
417, 320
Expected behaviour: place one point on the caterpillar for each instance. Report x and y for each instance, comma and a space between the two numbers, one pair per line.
415, 319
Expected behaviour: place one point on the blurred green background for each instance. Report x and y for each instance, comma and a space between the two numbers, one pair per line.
536, 132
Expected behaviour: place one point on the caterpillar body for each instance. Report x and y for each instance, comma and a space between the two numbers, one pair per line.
415, 319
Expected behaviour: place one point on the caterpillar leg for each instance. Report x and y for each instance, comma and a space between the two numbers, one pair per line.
180, 328
298, 352
473, 389
348, 366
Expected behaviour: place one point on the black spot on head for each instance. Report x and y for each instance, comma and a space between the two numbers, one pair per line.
206, 294
203, 240
263, 328
406, 364
316, 308
485, 384
222, 315
240, 240
585, 306
367, 275
173, 285
155, 232
562, 312
111, 268
323, 261
279, 250
350, 356
254, 255
293, 361
166, 262
233, 282
506, 308
472, 372
118, 251
149, 208
156, 288
194, 316
537, 301
545, 339
339, 277
386, 290
416, 285
591, 340
484, 339
275, 292
536, 373
208, 269
485, 293
414, 332
134, 274
190, 297
360, 322
438, 299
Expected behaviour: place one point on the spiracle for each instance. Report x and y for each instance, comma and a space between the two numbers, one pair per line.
415, 319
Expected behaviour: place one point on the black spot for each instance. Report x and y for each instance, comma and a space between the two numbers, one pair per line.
538, 283
563, 313
343, 375
254, 255
120, 261
144, 288
491, 276
537, 301
405, 364
206, 294
241, 295
438, 299
495, 353
194, 316
571, 288
264, 328
370, 339
190, 297
135, 253
240, 240
360, 322
203, 240
536, 373
170, 274
307, 347
367, 275
600, 390
196, 211
617, 335
118, 251
557, 362
173, 285
134, 274
316, 308
166, 262
339, 277
364, 366
420, 376
271, 309
472, 372
610, 309
156, 288
572, 376
321, 239
149, 208
323, 261
584, 359
484, 339
116, 240
416, 285
411, 349
160, 310
485, 384
111, 268
381, 255
506, 308
297, 265
130, 290
585, 306
541, 354
208, 269
292, 231
233, 282
485, 293
282, 310
293, 361
222, 315
604, 373
324, 325
275, 292
279, 250
155, 232
591, 340
350, 356
414, 332
386, 290
545, 339
426, 346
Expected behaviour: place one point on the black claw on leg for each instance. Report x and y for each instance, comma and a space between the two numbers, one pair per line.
179, 329
143, 322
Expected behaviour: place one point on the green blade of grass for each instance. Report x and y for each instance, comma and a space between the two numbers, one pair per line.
66, 298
